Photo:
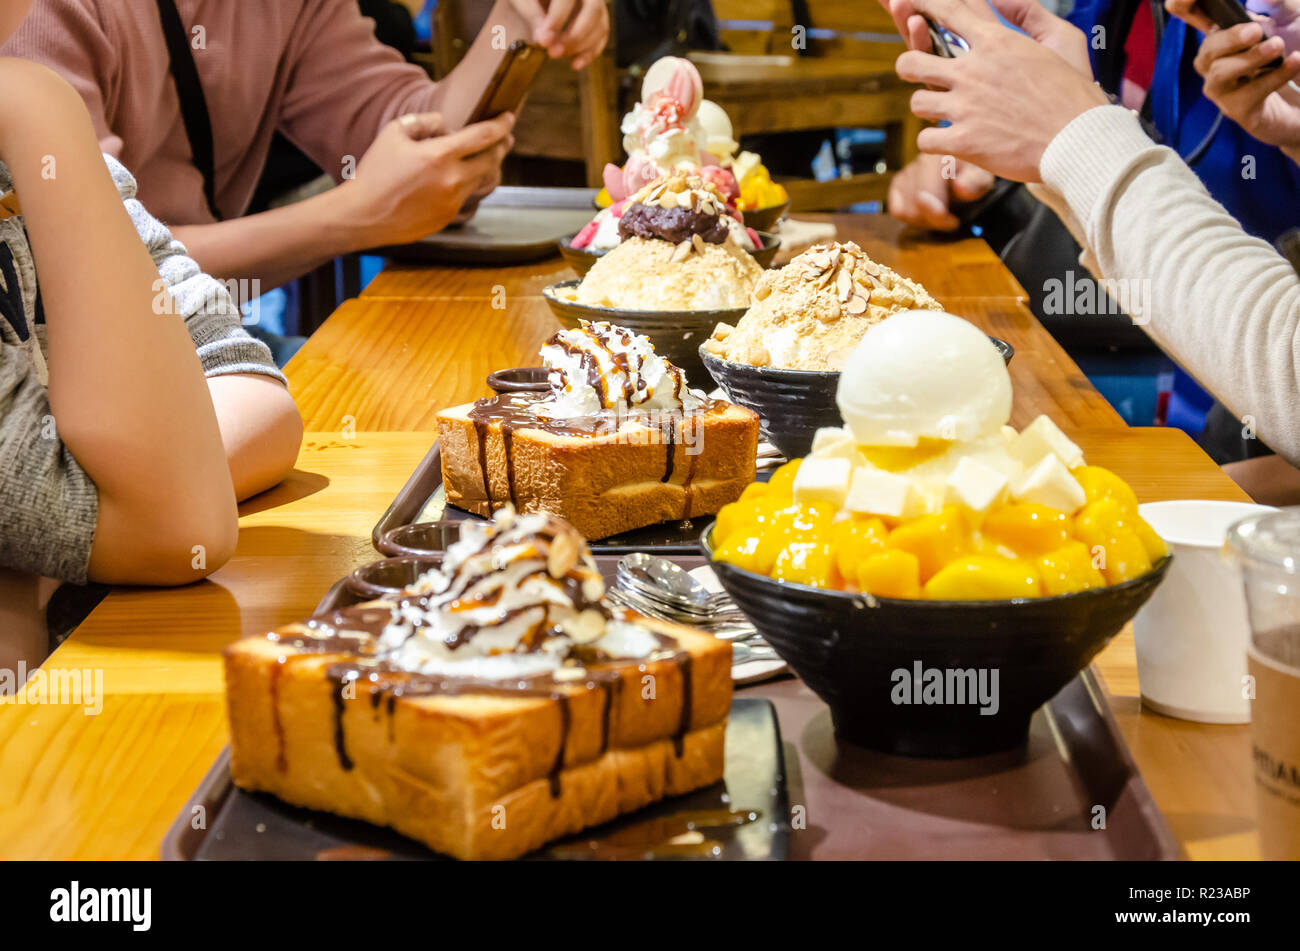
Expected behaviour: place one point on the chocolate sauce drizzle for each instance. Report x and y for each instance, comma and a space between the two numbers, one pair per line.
387, 683
512, 412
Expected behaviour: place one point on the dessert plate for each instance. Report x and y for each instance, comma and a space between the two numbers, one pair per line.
422, 500
742, 818
511, 226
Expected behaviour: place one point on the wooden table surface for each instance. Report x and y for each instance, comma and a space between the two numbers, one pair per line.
108, 785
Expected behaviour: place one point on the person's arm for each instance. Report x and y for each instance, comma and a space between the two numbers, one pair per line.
1223, 304
261, 428
125, 386
412, 182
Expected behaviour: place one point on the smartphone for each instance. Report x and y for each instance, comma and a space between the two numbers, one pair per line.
1230, 13
945, 42
509, 84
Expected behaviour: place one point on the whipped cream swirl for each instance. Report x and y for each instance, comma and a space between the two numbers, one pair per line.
514, 598
601, 367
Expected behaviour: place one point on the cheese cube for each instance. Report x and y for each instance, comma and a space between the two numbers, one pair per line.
822, 480
1050, 483
976, 485
832, 442
877, 492
1041, 437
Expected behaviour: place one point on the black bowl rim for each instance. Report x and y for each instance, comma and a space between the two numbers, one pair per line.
1157, 571
548, 292
813, 376
517, 387
355, 578
771, 242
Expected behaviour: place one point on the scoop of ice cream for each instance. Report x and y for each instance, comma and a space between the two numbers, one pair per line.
513, 598
810, 314
601, 367
649, 274
719, 136
924, 374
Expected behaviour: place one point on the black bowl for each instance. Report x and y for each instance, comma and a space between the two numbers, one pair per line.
792, 404
420, 539
519, 380
676, 334
582, 260
765, 219
857, 652
388, 575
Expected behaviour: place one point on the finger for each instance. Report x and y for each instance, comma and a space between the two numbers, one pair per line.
935, 212
533, 14
901, 11
926, 69
1029, 15
1223, 43
478, 136
930, 104
1190, 13
971, 182
918, 34
552, 28
1262, 85
586, 22
1230, 73
967, 20
421, 125
938, 140
900, 201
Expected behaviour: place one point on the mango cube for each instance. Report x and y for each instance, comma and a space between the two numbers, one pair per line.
1027, 530
890, 574
980, 578
1068, 569
935, 539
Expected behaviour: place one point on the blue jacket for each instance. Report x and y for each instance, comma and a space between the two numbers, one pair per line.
1267, 202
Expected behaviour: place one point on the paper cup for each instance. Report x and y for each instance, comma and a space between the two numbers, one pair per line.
1193, 634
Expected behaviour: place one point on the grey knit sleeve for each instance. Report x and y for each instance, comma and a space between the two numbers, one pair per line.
48, 505
211, 316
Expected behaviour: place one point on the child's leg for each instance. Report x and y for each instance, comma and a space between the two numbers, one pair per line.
23, 635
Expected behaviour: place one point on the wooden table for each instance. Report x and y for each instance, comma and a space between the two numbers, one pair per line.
108, 785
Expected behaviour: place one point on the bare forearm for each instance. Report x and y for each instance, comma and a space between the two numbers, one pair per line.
124, 380
282, 244
260, 427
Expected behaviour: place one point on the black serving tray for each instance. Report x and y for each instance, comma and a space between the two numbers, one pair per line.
744, 817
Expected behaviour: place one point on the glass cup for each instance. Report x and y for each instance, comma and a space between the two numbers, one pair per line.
1267, 548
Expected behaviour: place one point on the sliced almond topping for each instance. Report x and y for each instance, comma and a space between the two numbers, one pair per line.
562, 556
680, 252
856, 305
698, 243
684, 200
843, 284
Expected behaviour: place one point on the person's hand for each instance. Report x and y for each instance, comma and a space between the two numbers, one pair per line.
414, 180
577, 29
1229, 61
1060, 36
923, 192
1190, 13
1005, 100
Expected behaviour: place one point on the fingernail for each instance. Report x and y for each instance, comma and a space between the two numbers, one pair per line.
1252, 32
1273, 44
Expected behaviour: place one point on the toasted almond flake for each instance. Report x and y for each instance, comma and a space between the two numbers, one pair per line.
856, 305
698, 243
680, 252
843, 284
562, 556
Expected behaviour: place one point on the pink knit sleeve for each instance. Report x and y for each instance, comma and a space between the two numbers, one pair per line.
344, 85
68, 36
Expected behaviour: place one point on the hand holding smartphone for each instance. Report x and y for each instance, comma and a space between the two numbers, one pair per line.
496, 72
1230, 13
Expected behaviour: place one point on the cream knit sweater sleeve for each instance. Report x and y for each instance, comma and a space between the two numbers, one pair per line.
1225, 305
